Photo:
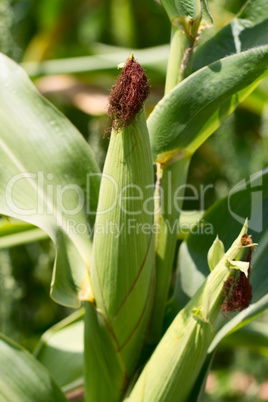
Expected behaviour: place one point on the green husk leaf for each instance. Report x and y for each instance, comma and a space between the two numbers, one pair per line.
61, 349
123, 242
242, 266
122, 271
215, 253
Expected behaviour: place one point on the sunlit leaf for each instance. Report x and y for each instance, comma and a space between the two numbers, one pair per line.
16, 233
193, 110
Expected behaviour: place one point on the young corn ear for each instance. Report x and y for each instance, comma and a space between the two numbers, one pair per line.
122, 272
174, 366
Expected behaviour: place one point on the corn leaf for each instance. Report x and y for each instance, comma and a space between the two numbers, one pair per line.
248, 30
61, 349
253, 336
14, 233
193, 110
23, 378
46, 169
107, 58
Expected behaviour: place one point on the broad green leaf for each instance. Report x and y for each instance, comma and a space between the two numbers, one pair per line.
193, 110
61, 349
14, 233
48, 178
248, 30
247, 199
23, 378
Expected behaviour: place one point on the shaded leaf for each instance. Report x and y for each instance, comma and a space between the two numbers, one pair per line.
248, 30
48, 177
61, 349
23, 378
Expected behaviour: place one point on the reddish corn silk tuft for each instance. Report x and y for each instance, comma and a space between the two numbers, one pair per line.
238, 291
128, 94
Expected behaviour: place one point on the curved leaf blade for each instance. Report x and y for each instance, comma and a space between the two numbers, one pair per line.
106, 59
248, 30
23, 378
46, 169
16, 233
193, 110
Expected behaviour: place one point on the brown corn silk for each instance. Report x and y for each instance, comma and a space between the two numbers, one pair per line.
238, 290
128, 94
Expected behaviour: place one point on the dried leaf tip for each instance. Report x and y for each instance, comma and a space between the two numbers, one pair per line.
128, 94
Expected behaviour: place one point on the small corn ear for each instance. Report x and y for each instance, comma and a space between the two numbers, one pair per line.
174, 366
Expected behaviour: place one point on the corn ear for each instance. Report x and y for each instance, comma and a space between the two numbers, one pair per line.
174, 366
122, 271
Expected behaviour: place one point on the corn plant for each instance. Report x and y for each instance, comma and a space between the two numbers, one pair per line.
146, 338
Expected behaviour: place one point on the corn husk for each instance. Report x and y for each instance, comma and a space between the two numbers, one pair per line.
122, 272
174, 366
